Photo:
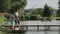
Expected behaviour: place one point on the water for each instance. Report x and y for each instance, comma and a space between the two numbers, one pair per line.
54, 30
42, 32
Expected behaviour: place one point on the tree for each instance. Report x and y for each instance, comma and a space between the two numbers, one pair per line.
58, 13
17, 4
46, 11
2, 7
11, 5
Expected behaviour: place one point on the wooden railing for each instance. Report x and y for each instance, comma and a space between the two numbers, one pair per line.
36, 26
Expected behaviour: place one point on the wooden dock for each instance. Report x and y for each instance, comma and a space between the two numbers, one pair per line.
9, 29
26, 26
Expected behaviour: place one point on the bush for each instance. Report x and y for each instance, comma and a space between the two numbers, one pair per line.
21, 18
7, 16
26, 17
1, 19
33, 17
39, 17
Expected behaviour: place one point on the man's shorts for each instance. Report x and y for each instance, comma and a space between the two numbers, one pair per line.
17, 22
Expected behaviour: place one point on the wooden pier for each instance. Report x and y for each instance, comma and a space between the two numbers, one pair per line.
26, 26
9, 29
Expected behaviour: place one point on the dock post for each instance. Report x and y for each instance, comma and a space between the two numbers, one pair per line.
26, 27
48, 28
59, 29
37, 28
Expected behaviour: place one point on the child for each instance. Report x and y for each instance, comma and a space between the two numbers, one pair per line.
12, 22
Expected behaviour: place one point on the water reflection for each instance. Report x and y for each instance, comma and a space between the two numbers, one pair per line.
42, 32
35, 32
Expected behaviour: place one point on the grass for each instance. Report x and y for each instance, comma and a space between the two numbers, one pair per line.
4, 33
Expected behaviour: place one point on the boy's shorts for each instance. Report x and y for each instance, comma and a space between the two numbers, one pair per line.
13, 23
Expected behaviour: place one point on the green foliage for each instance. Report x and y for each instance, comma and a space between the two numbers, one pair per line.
26, 17
17, 4
33, 17
11, 5
35, 11
4, 33
58, 13
39, 17
2, 7
7, 16
1, 19
46, 11
22, 18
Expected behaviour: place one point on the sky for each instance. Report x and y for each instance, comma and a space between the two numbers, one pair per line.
41, 3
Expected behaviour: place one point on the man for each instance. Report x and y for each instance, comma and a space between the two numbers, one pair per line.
17, 19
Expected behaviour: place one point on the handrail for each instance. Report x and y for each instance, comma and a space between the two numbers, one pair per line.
33, 25
36, 26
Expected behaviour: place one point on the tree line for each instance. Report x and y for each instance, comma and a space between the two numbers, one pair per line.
10, 6
39, 13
